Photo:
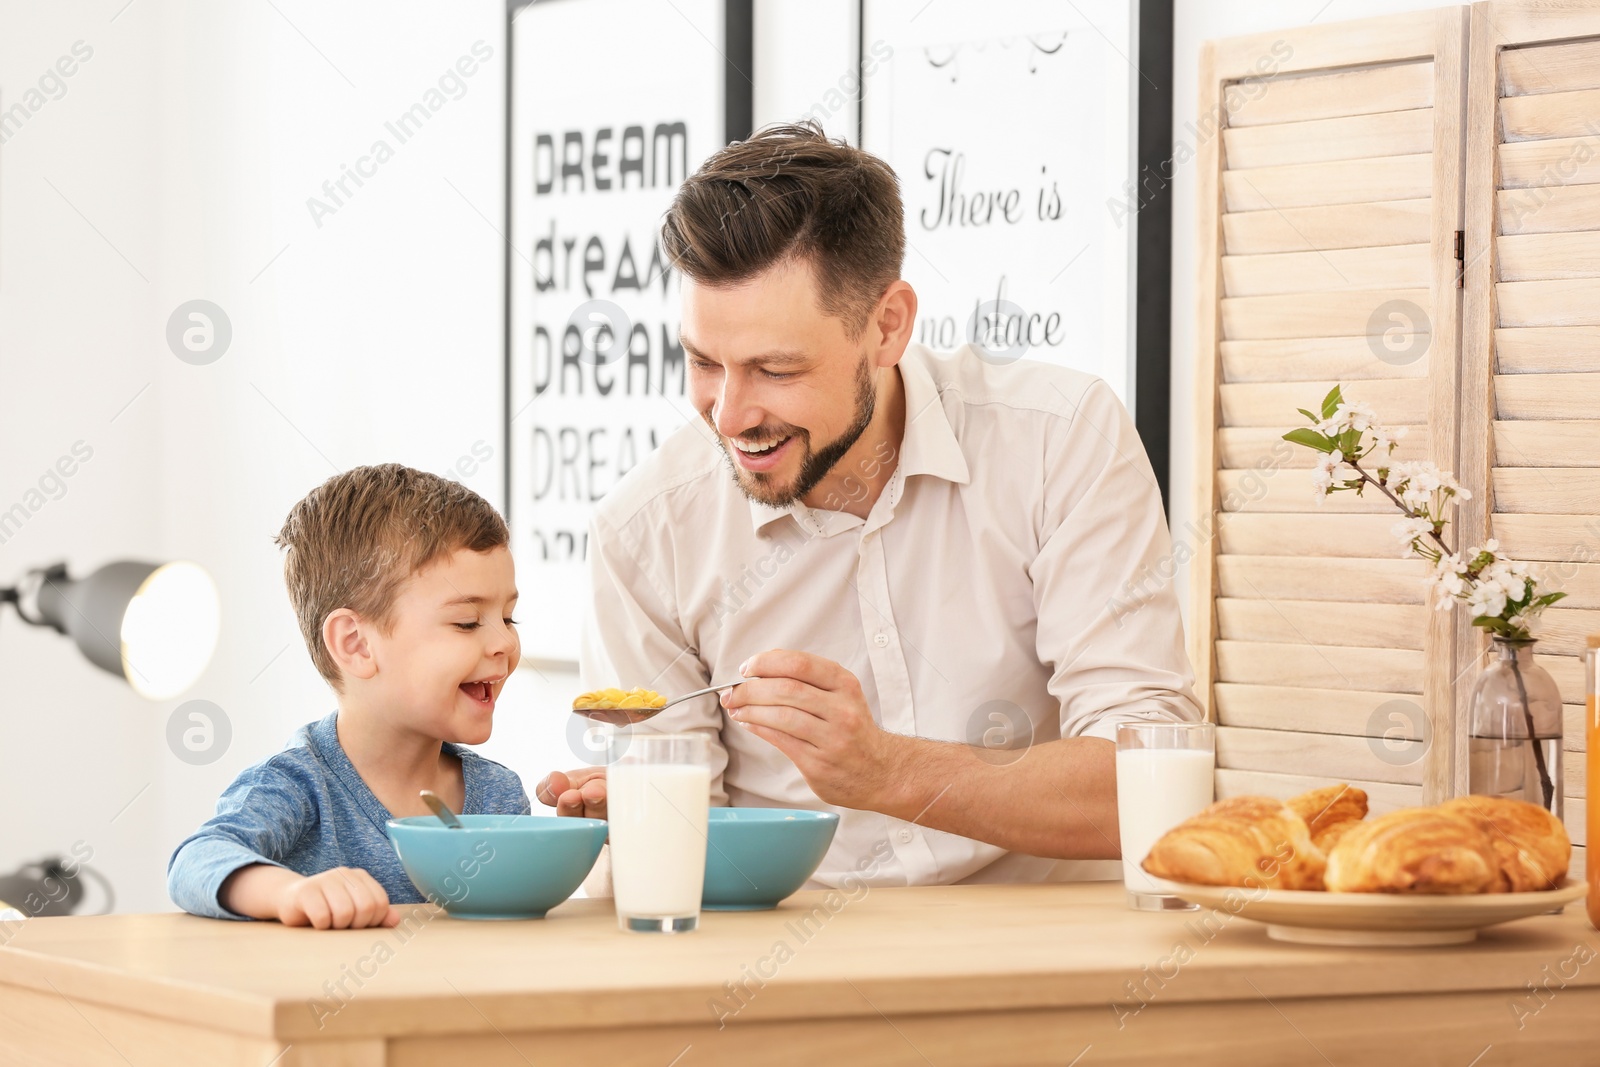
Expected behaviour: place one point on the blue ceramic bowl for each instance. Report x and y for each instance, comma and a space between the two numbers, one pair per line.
500, 866
757, 856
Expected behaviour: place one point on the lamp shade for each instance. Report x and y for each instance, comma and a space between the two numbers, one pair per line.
152, 624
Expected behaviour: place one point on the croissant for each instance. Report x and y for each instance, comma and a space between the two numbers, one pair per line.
1414, 850
1241, 841
1530, 843
1331, 836
1330, 811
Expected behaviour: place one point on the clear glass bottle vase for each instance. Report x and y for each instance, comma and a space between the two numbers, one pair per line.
1514, 747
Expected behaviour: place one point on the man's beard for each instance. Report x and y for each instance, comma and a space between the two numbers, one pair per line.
758, 485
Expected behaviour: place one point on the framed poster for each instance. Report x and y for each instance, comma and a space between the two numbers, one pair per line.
1015, 130
610, 105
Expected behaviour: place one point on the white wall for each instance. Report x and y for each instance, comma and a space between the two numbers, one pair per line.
77, 748
807, 61
1194, 22
191, 141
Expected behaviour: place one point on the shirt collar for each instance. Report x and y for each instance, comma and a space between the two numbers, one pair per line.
322, 737
929, 445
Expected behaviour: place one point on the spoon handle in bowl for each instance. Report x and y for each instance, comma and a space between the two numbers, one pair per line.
441, 809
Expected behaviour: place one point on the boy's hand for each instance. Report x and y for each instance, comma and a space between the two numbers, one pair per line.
577, 793
345, 898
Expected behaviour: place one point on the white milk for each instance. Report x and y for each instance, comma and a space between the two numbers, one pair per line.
658, 814
1157, 788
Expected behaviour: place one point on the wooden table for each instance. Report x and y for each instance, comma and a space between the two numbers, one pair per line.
999, 975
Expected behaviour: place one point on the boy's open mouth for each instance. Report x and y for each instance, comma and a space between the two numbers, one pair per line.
482, 692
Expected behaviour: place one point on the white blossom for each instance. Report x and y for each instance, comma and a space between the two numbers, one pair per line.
1385, 438
1423, 490
1487, 598
1409, 531
1357, 416
1391, 433
1497, 575
1322, 476
1515, 586
1420, 485
1448, 580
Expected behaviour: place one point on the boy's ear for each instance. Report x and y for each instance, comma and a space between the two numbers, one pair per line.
345, 634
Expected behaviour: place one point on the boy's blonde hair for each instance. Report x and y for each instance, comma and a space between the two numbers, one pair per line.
356, 538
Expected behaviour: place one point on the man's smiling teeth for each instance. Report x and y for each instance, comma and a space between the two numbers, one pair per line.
756, 450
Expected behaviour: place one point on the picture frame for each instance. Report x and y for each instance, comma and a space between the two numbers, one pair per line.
956, 93
594, 376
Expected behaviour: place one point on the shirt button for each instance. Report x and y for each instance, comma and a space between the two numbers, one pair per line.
905, 836
881, 639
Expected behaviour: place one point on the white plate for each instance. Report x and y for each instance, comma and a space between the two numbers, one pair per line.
1317, 918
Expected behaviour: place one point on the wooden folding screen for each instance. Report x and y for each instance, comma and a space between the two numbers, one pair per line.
1330, 205
1410, 206
1530, 425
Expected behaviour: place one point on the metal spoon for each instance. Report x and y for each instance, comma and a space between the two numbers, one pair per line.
629, 716
441, 809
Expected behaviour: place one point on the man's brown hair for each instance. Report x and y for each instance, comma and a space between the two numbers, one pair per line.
790, 192
356, 538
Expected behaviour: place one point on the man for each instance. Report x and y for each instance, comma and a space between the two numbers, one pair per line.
928, 562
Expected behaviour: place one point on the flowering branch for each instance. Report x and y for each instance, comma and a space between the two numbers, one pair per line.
1502, 594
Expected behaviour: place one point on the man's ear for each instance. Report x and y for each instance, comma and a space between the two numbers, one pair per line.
891, 323
345, 634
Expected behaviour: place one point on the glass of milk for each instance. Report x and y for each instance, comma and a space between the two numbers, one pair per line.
658, 793
1165, 773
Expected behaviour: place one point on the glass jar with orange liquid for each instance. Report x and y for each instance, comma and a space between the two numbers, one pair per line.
1591, 687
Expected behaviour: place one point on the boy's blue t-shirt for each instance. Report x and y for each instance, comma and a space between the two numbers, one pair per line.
307, 809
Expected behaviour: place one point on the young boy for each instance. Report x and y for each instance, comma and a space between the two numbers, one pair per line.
403, 585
